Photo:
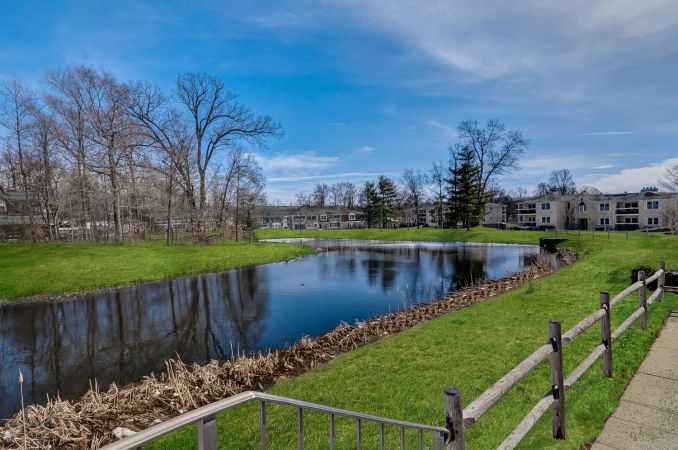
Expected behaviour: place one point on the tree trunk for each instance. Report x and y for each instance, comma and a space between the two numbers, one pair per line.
169, 208
115, 190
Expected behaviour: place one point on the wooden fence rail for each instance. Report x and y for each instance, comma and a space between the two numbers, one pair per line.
555, 397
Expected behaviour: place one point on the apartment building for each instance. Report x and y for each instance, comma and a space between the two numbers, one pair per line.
646, 209
299, 218
16, 210
428, 215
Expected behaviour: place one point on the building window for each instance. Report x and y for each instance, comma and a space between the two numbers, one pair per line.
546, 219
604, 206
605, 221
323, 217
653, 205
582, 207
351, 217
545, 206
653, 220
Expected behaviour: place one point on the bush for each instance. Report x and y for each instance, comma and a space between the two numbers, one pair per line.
31, 233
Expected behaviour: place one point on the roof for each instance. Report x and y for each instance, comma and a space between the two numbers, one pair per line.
603, 197
300, 210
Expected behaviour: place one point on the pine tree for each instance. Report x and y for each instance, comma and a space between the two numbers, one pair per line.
387, 197
465, 199
370, 203
250, 227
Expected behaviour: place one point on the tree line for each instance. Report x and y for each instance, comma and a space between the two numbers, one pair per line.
107, 158
459, 189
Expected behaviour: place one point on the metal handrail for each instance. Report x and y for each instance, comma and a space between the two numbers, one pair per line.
205, 417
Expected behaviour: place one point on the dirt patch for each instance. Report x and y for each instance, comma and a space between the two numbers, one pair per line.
89, 421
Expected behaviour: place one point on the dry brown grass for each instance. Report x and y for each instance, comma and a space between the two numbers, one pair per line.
89, 421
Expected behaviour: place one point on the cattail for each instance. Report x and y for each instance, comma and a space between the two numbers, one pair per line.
23, 411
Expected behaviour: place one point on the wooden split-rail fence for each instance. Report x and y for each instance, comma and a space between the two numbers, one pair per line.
457, 420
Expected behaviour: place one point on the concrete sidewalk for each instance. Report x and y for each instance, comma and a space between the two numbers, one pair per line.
647, 415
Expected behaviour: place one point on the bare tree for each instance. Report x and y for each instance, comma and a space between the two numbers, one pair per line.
112, 134
166, 131
437, 182
414, 182
562, 182
670, 217
67, 100
303, 199
42, 137
669, 180
16, 103
320, 194
219, 120
496, 149
589, 190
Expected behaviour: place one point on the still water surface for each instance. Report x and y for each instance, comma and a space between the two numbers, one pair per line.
123, 334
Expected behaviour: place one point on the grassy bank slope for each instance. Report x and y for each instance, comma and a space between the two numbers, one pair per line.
32, 269
411, 234
403, 376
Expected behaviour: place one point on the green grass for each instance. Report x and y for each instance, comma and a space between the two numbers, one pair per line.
403, 376
34, 269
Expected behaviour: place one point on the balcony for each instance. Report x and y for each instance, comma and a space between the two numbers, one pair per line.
528, 211
627, 211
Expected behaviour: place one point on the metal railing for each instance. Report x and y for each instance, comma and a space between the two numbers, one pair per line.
553, 348
206, 420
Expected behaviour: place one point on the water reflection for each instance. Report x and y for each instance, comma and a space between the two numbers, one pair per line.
123, 334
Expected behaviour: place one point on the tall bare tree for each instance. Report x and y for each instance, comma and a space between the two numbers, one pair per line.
219, 121
414, 182
437, 183
67, 99
16, 103
496, 150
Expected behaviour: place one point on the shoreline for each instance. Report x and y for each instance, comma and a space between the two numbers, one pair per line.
182, 387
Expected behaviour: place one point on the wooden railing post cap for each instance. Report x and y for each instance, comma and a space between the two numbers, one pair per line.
662, 264
641, 275
452, 391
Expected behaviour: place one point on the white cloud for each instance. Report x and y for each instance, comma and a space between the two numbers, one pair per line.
525, 37
605, 166
365, 149
630, 180
328, 176
605, 133
296, 162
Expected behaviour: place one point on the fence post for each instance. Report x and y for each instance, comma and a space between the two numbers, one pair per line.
454, 418
557, 380
642, 300
606, 334
662, 280
207, 433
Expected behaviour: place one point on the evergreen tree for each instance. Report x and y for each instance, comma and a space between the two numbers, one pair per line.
370, 203
465, 199
387, 197
250, 227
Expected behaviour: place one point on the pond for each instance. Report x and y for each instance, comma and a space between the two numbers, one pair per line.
122, 334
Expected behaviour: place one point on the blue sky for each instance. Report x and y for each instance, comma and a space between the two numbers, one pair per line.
369, 87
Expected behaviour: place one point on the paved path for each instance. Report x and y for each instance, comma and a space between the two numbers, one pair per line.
647, 415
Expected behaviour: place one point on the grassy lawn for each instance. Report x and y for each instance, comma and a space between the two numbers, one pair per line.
403, 375
32, 269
